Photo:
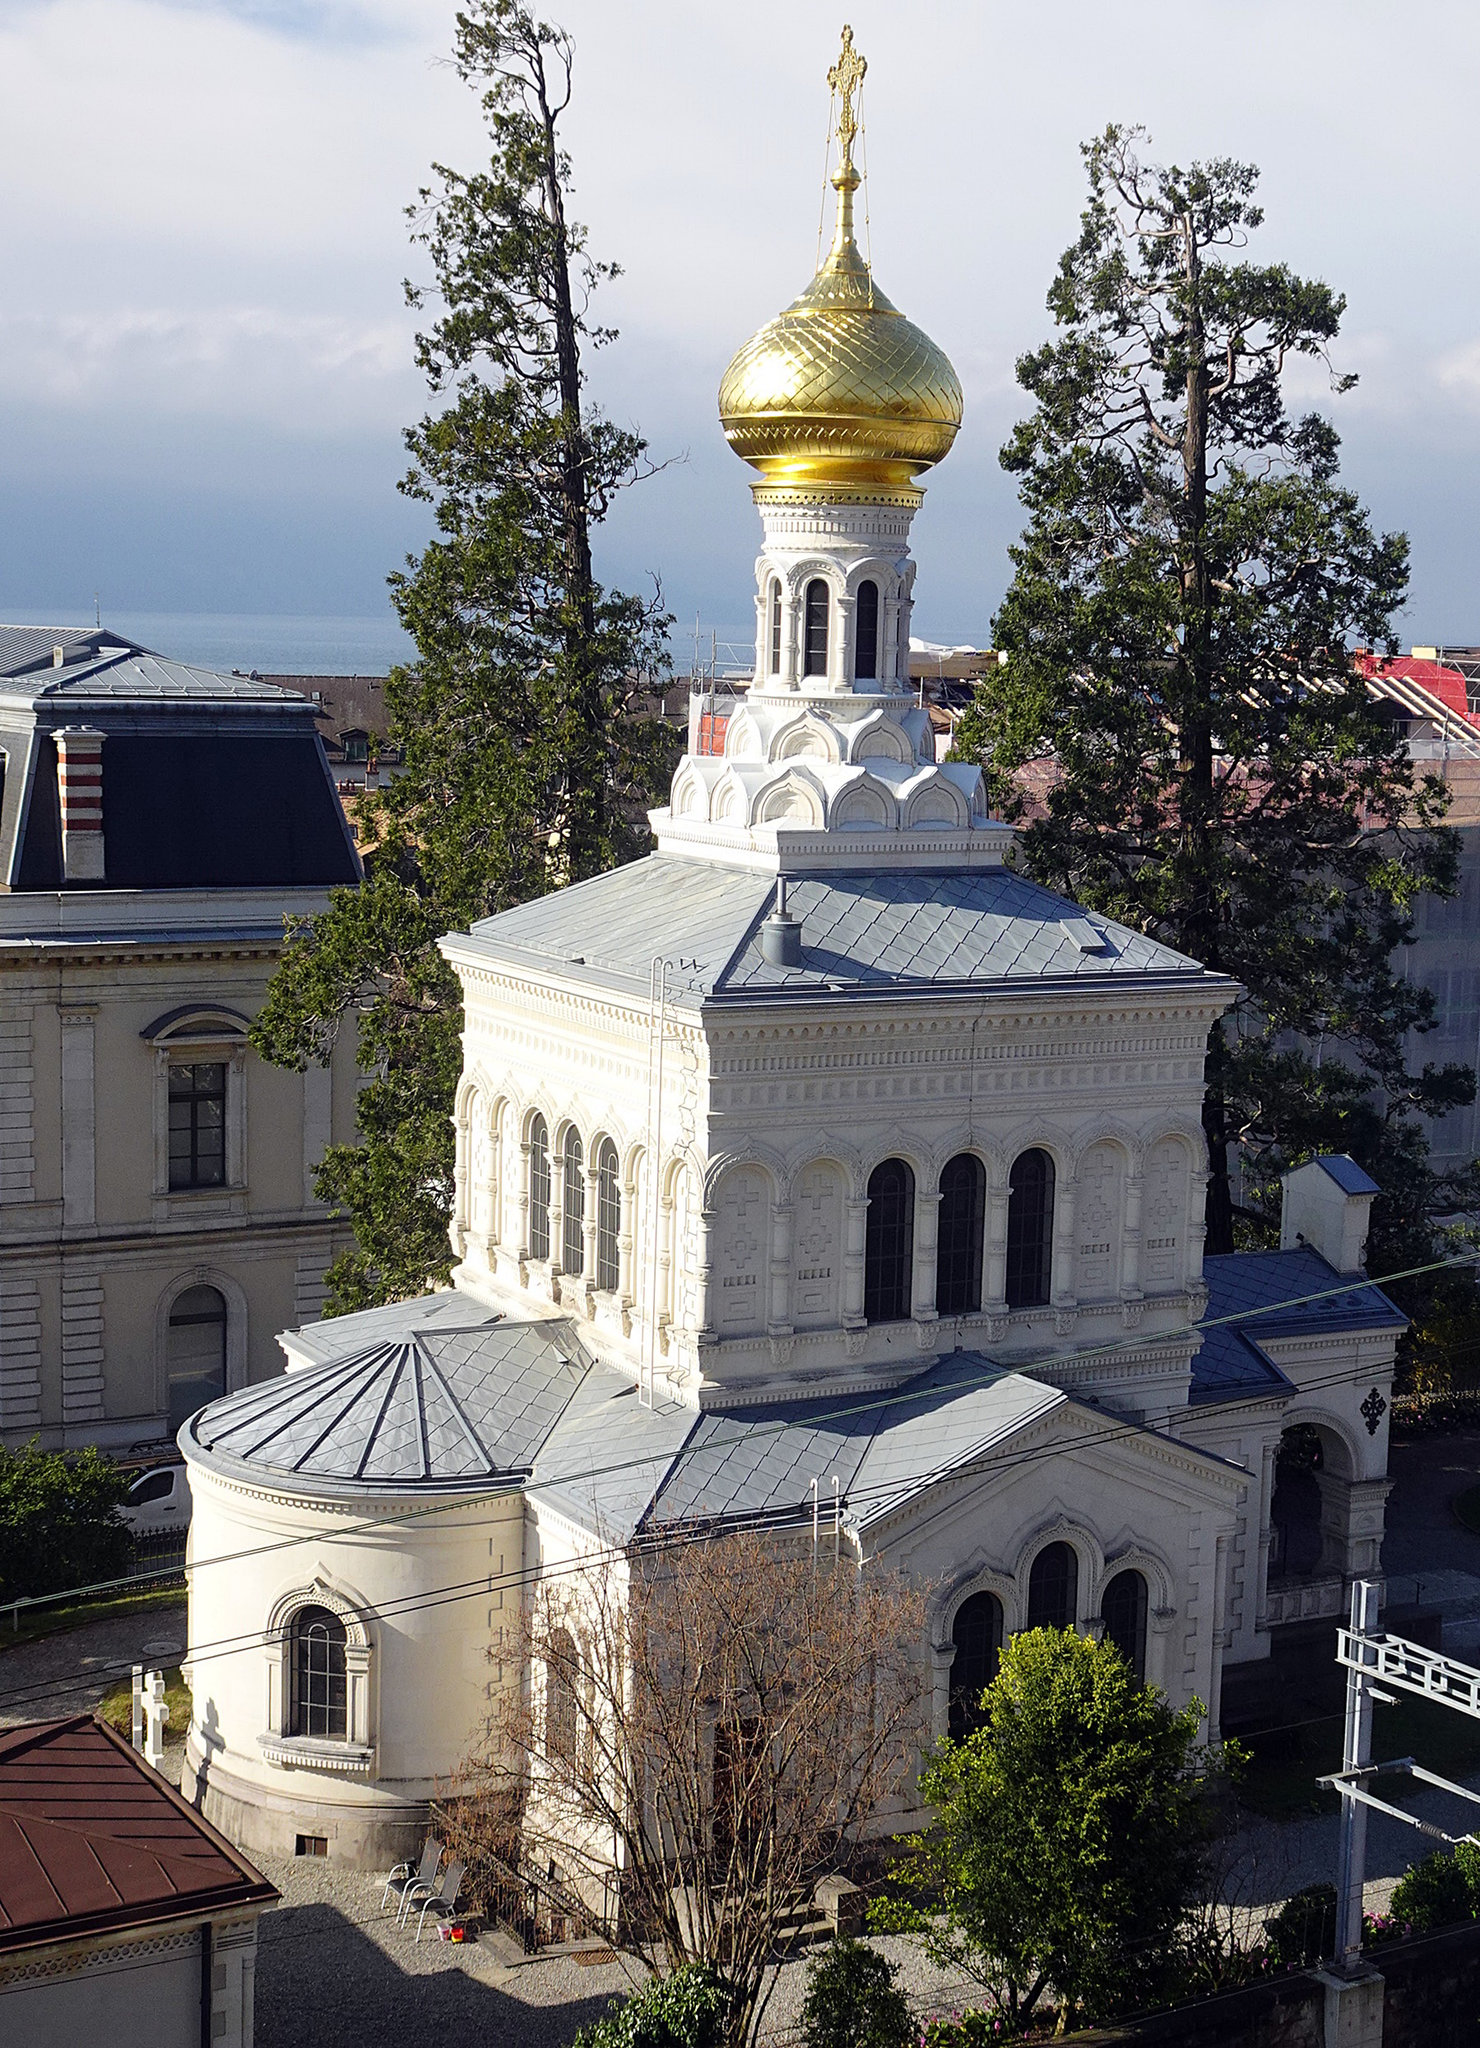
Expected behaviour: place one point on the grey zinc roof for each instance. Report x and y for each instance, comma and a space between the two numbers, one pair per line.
104, 667
439, 1409
1260, 1286
870, 930
1229, 1366
1346, 1173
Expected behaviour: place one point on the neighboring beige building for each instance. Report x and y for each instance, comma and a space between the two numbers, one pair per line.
158, 1226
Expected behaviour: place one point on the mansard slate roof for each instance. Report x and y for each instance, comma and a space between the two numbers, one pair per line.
865, 932
210, 781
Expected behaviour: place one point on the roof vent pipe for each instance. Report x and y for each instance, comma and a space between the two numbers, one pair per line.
781, 934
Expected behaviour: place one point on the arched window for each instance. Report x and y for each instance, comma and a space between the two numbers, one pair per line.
958, 1267
573, 1207
814, 661
195, 1352
889, 1242
866, 633
539, 1189
562, 1673
319, 1685
1029, 1229
608, 1217
775, 626
1123, 1611
1053, 1588
976, 1634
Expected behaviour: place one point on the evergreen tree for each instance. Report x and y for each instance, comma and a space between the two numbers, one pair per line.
1179, 689
528, 757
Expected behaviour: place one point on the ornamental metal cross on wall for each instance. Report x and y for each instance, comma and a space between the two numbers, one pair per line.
1372, 1411
845, 78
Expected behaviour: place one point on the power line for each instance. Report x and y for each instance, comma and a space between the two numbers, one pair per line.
702, 1528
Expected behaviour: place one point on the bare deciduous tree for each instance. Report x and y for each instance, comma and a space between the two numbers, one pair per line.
710, 1729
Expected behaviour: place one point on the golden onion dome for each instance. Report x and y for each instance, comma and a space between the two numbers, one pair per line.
841, 390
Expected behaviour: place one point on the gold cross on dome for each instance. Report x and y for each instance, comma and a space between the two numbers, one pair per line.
845, 78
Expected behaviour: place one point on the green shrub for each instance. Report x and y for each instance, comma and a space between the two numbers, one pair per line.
690, 2009
1439, 1891
970, 2029
852, 2001
1304, 1929
59, 1522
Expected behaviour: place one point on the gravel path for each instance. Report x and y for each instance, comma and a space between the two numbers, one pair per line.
69, 1673
335, 1971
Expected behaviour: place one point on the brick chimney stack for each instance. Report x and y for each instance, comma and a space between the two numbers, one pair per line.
80, 779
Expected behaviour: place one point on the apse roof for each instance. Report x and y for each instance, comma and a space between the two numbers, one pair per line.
436, 1409
1267, 1289
863, 932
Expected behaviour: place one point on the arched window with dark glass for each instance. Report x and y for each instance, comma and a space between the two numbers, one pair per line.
976, 1636
958, 1258
539, 1189
1053, 1588
573, 1207
866, 633
889, 1242
814, 625
1123, 1611
562, 1673
195, 1352
775, 623
1029, 1229
319, 1686
608, 1217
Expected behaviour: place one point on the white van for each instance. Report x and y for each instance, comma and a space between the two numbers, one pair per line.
158, 1500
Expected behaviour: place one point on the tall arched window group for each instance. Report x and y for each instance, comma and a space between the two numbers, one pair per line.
601, 1185
817, 628
977, 1628
960, 1238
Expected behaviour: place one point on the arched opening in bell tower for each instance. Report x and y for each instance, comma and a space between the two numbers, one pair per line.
814, 647
866, 633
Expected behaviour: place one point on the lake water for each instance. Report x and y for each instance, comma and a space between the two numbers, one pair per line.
270, 643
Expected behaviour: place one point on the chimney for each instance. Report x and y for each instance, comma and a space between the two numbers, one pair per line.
1326, 1204
781, 934
80, 779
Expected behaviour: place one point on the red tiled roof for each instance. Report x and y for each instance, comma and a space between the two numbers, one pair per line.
92, 1839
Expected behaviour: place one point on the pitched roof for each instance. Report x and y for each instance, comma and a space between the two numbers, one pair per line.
862, 932
1348, 1176
1265, 1290
102, 666
92, 1839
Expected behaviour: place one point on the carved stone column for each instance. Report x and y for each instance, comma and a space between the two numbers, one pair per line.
778, 1313
1353, 1514
1130, 1244
704, 1277
840, 653
926, 1251
995, 1301
855, 1239
1061, 1292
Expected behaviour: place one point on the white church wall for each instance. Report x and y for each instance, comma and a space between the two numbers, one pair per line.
418, 1676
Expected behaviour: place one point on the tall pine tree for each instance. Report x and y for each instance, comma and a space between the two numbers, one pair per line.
1180, 693
528, 757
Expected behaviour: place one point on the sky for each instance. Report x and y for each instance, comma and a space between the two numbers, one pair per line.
206, 361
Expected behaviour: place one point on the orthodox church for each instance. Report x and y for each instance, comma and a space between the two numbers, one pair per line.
819, 1170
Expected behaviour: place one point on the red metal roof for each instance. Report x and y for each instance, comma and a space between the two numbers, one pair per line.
92, 1839
1447, 684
